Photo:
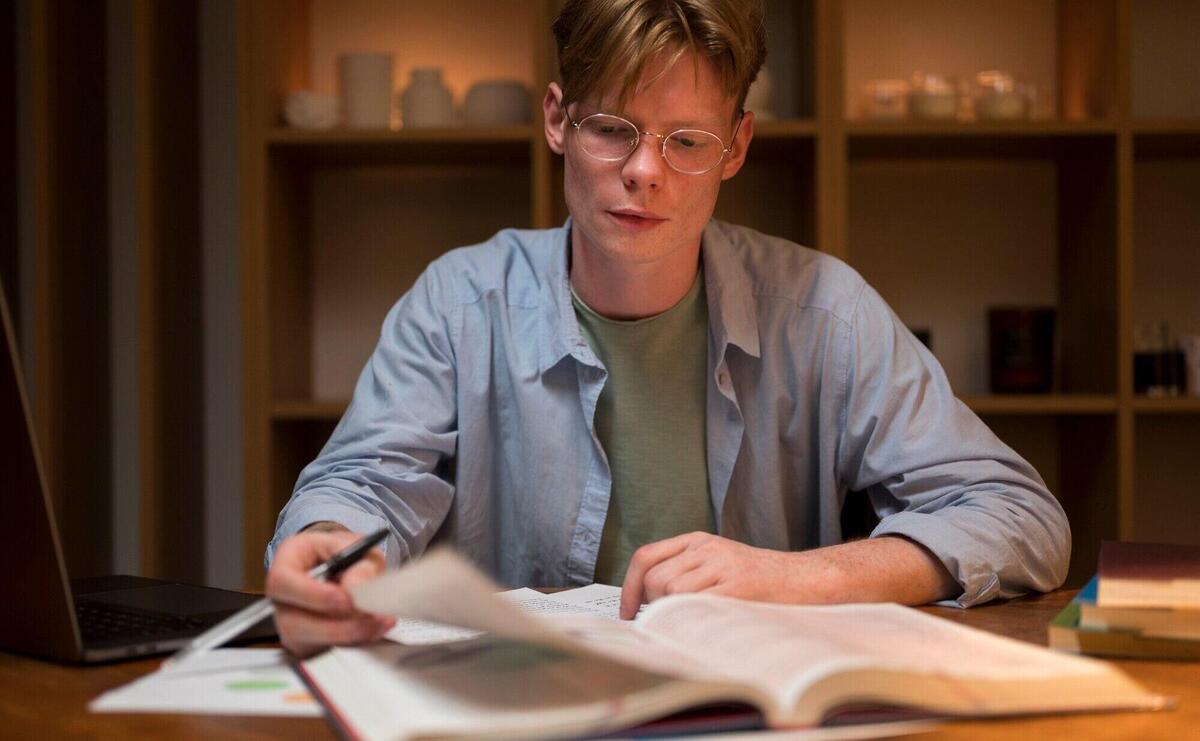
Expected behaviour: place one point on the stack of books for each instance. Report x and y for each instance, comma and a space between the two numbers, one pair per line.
1143, 603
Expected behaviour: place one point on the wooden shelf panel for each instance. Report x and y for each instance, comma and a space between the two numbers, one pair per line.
1186, 126
505, 146
307, 410
1032, 404
1048, 141
909, 129
792, 128
450, 134
1173, 405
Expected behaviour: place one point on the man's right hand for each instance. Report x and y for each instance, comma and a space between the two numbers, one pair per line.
311, 614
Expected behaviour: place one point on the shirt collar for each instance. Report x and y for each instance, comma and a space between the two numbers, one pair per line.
731, 315
560, 335
731, 312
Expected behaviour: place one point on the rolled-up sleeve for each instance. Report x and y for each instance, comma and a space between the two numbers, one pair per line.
934, 471
381, 465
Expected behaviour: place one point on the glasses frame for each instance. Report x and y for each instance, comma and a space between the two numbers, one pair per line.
725, 150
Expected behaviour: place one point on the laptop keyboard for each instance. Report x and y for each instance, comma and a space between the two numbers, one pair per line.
103, 622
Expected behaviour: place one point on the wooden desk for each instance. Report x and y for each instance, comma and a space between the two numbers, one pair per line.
42, 700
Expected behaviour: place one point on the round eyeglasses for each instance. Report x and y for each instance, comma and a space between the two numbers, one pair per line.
612, 138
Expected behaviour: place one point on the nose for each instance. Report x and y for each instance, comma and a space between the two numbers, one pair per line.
645, 166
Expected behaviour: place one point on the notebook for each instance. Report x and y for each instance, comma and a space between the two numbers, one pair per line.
43, 613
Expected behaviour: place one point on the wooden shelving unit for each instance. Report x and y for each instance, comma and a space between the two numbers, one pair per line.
945, 219
1042, 404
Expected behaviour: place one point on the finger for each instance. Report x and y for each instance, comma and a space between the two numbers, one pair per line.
288, 581
645, 558
303, 630
702, 578
370, 567
658, 580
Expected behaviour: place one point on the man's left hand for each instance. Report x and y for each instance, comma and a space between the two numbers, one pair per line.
703, 562
881, 569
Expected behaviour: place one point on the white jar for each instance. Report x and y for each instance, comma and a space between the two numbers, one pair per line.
366, 85
497, 103
886, 100
427, 102
998, 97
933, 97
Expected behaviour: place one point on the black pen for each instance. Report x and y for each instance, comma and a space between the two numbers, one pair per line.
242, 620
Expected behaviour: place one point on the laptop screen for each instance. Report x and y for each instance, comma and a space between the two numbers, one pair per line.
36, 614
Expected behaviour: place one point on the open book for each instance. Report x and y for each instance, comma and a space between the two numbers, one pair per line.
534, 677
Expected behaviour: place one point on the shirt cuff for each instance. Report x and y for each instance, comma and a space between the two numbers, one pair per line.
308, 512
957, 551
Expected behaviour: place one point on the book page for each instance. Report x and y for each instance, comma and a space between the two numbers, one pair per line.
786, 646
597, 600
482, 686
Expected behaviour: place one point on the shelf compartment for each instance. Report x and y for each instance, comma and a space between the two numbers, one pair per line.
775, 191
791, 57
1076, 455
1166, 261
495, 44
1064, 48
346, 242
1164, 75
1166, 507
1039, 404
945, 229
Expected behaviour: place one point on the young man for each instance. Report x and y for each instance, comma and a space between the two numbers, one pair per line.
649, 397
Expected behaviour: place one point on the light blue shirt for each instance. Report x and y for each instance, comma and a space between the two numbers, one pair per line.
473, 422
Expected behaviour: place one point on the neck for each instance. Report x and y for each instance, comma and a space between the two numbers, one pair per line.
621, 290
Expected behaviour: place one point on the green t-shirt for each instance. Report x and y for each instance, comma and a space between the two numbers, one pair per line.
651, 424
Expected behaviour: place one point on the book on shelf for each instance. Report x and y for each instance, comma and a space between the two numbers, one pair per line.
1099, 637
1164, 575
529, 676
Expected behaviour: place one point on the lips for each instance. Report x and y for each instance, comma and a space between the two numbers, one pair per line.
637, 213
635, 219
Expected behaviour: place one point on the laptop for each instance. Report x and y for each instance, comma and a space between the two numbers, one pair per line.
100, 619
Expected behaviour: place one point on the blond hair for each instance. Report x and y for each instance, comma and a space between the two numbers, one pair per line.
607, 42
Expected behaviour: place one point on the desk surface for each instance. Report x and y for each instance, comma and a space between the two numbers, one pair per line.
42, 700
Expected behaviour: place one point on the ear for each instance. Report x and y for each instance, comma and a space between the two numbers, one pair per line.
554, 118
741, 145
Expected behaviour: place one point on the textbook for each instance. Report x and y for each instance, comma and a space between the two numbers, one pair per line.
1069, 631
1153, 622
1161, 575
529, 676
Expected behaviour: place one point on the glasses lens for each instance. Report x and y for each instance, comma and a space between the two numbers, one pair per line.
694, 151
607, 137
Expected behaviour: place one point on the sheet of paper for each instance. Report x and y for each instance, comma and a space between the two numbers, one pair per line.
600, 600
228, 681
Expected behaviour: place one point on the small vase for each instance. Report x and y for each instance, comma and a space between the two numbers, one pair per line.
427, 102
